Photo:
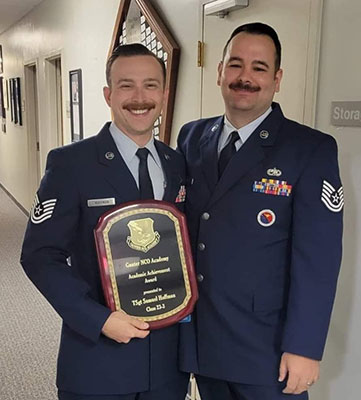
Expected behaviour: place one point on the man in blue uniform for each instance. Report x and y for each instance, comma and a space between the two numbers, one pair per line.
264, 207
106, 355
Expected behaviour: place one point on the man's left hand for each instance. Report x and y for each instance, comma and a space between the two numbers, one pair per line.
302, 372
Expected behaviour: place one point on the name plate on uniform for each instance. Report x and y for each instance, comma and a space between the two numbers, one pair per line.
146, 263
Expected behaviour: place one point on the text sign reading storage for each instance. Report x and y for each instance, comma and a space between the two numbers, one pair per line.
346, 113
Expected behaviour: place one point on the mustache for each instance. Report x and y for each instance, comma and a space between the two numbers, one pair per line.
138, 106
244, 86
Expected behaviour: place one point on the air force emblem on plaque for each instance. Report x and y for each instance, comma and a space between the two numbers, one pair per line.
332, 198
142, 236
41, 211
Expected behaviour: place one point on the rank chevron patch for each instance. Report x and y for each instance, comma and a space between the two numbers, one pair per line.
41, 211
332, 198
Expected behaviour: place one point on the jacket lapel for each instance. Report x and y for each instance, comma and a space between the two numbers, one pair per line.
252, 152
116, 171
209, 155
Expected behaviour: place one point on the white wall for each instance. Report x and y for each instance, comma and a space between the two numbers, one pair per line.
339, 80
81, 32
182, 18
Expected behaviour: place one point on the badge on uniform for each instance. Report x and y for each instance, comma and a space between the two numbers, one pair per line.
332, 198
41, 211
266, 218
110, 201
181, 195
272, 186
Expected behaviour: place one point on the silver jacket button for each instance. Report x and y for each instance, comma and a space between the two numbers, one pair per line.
205, 216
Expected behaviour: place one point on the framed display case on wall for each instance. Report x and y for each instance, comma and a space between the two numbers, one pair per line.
11, 99
15, 101
1, 60
18, 110
2, 105
76, 105
138, 22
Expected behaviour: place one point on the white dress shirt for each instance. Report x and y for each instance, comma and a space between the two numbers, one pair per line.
244, 132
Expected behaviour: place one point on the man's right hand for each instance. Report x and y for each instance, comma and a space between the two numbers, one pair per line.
122, 328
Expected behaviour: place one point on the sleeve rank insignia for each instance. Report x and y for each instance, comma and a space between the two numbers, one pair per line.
273, 187
332, 198
41, 211
181, 195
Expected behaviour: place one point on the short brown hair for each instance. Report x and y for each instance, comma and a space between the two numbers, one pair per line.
130, 50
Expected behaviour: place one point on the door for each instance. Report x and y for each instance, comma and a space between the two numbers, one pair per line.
55, 101
298, 24
32, 118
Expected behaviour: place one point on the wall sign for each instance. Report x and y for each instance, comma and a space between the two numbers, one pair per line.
346, 113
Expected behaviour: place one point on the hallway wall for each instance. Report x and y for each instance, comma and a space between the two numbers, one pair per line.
80, 31
339, 80
71, 29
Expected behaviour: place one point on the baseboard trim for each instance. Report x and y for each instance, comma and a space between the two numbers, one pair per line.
14, 200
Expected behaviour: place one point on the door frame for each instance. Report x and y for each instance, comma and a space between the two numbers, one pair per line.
32, 115
55, 117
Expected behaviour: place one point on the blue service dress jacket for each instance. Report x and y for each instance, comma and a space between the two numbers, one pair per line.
267, 245
61, 227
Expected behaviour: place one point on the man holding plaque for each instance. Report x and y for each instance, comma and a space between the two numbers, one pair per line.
264, 208
106, 355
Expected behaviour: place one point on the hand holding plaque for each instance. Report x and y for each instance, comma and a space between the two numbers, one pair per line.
145, 262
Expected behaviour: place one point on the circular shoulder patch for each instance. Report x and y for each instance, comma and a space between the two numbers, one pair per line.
266, 218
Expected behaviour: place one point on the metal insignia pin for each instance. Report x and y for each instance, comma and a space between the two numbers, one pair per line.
109, 155
274, 172
214, 128
263, 134
166, 156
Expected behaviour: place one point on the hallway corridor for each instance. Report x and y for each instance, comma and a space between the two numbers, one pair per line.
29, 328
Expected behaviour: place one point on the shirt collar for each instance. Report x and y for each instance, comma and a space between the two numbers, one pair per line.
246, 131
127, 147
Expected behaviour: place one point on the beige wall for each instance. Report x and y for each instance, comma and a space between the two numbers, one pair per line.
78, 30
339, 80
183, 20
81, 32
